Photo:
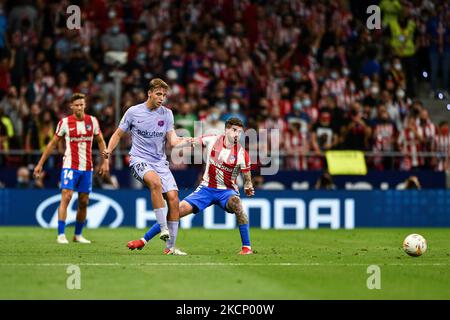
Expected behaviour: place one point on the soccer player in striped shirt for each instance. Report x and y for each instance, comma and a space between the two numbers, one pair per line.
226, 159
78, 129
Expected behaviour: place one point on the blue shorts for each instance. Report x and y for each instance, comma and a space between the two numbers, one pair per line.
76, 180
203, 197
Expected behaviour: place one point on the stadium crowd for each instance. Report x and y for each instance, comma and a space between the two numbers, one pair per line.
311, 69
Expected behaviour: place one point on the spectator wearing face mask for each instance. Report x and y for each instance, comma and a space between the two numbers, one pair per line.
298, 80
323, 136
298, 115
24, 180
392, 109
295, 145
396, 74
335, 85
235, 112
384, 137
442, 147
410, 143
403, 34
427, 130
114, 39
355, 135
213, 124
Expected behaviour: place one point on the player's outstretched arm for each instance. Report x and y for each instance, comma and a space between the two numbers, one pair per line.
248, 185
178, 142
47, 152
112, 144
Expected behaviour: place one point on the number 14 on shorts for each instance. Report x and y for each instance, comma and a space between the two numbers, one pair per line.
68, 174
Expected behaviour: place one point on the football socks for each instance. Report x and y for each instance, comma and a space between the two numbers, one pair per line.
244, 230
153, 231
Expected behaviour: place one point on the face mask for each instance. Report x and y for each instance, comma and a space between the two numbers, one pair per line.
141, 56
375, 90
366, 83
297, 106
167, 45
296, 75
397, 66
99, 78
334, 75
400, 94
220, 30
307, 102
115, 30
352, 88
346, 72
98, 106
112, 14
214, 116
234, 107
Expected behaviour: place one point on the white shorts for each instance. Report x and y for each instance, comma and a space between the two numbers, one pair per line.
168, 182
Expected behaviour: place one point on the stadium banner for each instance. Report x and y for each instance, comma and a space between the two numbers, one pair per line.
267, 209
284, 179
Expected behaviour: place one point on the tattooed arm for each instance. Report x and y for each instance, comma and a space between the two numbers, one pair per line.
248, 186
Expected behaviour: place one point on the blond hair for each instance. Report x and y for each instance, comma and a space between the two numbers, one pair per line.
157, 84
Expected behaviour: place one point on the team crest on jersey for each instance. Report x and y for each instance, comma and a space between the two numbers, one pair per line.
160, 123
88, 127
232, 158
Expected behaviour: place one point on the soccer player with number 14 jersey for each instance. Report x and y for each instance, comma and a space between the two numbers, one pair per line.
79, 129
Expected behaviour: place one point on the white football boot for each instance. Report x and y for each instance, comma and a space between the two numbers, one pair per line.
80, 239
61, 239
174, 251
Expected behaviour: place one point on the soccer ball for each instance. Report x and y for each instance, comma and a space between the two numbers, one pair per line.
415, 245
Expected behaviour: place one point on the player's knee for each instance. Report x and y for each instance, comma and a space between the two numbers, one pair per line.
172, 198
234, 205
83, 203
185, 209
66, 196
154, 185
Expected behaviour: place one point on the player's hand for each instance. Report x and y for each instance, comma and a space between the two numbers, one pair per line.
249, 191
104, 169
37, 171
105, 154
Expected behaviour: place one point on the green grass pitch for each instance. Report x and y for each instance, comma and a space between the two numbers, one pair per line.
297, 264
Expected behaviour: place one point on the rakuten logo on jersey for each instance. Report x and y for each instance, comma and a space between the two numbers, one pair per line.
101, 211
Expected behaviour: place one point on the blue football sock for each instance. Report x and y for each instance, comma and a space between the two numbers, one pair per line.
153, 231
244, 230
61, 226
78, 228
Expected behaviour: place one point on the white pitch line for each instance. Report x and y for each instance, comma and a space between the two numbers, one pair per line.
220, 264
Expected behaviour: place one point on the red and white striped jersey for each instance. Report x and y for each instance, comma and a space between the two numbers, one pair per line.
223, 165
442, 143
78, 135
